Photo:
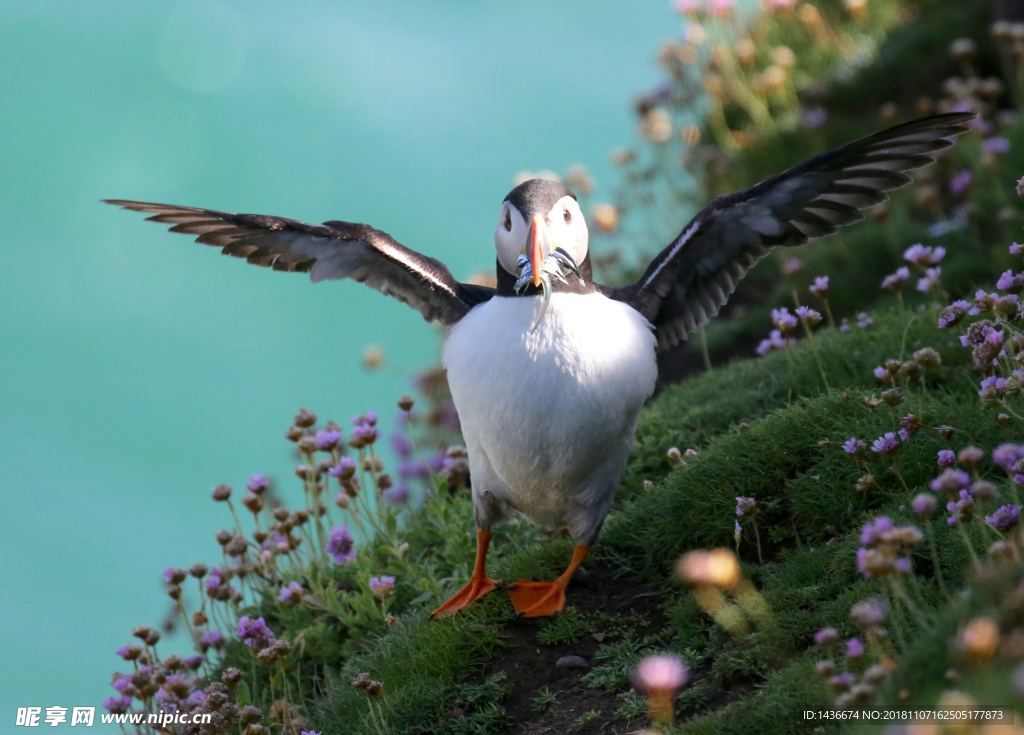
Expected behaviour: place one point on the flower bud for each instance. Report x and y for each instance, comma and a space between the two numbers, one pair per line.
979, 639
1001, 550
715, 568
305, 418
250, 713
970, 456
866, 483
236, 546
963, 49
927, 357
892, 397
129, 653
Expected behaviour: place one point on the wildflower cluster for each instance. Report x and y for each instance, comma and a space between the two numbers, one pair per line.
885, 549
339, 555
852, 671
748, 77
747, 72
996, 341
803, 317
926, 263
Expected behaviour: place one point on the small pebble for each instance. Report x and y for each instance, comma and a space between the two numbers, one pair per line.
572, 662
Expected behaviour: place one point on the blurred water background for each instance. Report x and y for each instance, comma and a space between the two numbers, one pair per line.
139, 369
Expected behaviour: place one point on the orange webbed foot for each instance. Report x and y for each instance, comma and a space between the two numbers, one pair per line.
479, 583
476, 588
537, 599
543, 599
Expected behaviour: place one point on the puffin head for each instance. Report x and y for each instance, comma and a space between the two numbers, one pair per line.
541, 234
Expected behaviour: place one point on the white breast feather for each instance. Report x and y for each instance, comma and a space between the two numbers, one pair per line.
548, 416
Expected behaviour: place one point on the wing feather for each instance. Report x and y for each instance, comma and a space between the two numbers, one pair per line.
335, 249
690, 280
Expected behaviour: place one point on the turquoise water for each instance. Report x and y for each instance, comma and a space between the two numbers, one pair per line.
139, 370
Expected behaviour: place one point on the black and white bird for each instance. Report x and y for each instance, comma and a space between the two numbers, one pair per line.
549, 370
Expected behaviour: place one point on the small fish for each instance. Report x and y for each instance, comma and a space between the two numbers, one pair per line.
552, 266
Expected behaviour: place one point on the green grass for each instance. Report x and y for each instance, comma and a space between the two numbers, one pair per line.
769, 428
543, 700
689, 414
568, 627
765, 428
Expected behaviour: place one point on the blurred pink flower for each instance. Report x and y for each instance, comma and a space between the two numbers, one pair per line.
661, 673
961, 182
718, 8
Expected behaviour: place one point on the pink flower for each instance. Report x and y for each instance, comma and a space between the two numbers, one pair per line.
382, 586
720, 8
690, 7
961, 182
663, 673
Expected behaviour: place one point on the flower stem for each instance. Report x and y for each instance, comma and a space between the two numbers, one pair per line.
911, 606
704, 353
968, 544
930, 533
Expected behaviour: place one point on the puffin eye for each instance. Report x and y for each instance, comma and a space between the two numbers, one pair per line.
508, 220
567, 216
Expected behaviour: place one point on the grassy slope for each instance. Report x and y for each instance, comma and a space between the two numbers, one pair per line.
759, 426
763, 427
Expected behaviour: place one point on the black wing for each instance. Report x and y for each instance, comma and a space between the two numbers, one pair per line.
689, 281
334, 249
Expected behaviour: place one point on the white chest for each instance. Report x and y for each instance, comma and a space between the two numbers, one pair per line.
548, 408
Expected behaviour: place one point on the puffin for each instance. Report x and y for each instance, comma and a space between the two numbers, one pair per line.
548, 369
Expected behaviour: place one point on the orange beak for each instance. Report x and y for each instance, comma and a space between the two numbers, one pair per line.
534, 245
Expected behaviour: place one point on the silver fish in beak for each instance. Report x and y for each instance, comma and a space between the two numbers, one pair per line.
539, 268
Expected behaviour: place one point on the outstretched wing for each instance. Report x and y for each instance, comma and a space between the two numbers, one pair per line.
334, 249
689, 281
